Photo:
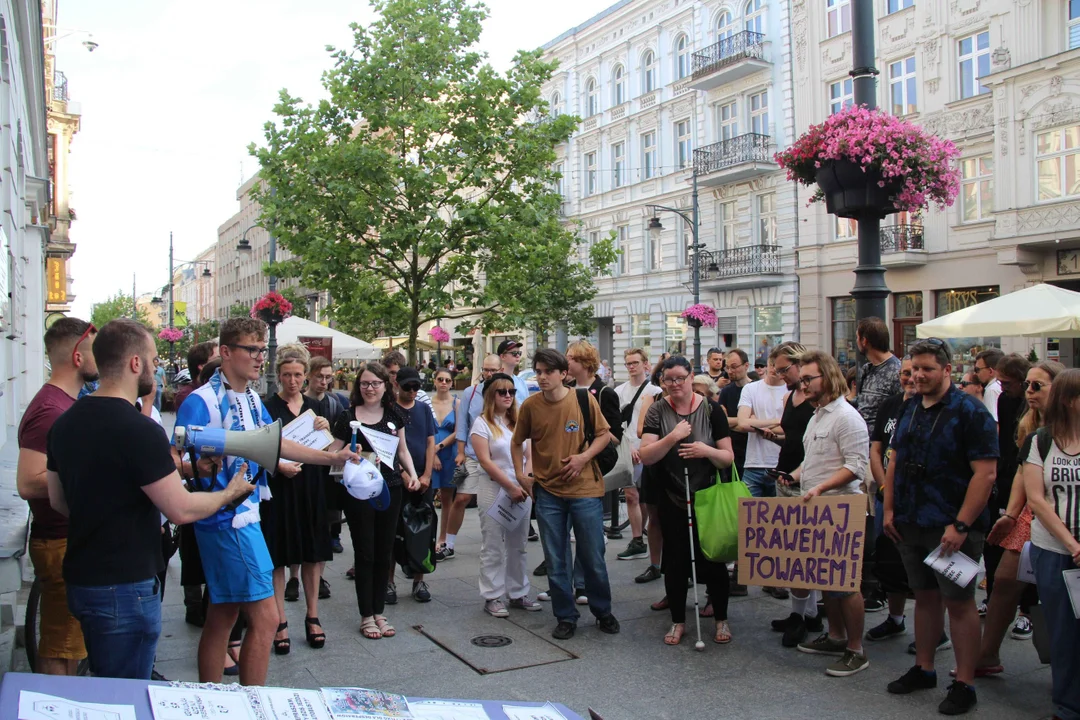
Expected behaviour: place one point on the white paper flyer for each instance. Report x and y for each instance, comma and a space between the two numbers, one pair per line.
38, 706
957, 567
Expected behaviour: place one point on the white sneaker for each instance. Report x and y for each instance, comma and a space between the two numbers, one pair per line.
524, 603
580, 597
543, 597
495, 608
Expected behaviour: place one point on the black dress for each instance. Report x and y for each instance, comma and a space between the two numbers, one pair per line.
294, 520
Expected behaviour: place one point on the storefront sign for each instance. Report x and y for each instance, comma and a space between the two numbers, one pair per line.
323, 346
55, 281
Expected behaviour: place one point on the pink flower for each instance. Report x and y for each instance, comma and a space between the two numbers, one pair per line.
439, 335
701, 312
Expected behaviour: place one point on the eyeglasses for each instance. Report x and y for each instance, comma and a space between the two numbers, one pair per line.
1035, 385
253, 350
505, 392
735, 367
965, 383
807, 379
633, 363
488, 371
86, 333
781, 370
675, 380
371, 384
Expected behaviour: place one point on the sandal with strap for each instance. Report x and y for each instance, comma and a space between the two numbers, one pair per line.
315, 640
385, 627
369, 628
234, 669
723, 633
674, 635
282, 647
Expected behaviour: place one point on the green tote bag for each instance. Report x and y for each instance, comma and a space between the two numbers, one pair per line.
717, 511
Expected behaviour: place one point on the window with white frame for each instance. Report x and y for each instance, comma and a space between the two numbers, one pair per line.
973, 57
768, 326
1057, 153
892, 6
754, 14
725, 26
681, 239
759, 113
902, 87
725, 224
590, 173
559, 179
618, 86
648, 155
682, 144
618, 164
648, 72
653, 250
841, 95
641, 331
727, 121
592, 98
766, 219
674, 333
622, 244
594, 240
556, 105
682, 57
976, 188
1072, 25
837, 17
846, 228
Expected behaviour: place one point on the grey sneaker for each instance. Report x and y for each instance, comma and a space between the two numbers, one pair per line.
851, 663
636, 550
525, 603
495, 608
651, 573
824, 645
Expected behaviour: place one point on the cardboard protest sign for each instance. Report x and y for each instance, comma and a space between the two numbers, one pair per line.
787, 542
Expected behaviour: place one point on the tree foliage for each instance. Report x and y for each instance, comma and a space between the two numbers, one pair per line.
299, 303
422, 174
117, 306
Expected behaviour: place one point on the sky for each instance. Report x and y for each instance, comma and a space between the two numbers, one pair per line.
174, 94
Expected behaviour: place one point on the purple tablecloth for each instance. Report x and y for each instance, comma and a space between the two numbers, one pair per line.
133, 692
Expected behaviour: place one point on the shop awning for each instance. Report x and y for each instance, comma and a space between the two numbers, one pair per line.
385, 343
1038, 311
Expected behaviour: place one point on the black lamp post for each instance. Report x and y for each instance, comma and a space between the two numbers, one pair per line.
655, 227
271, 340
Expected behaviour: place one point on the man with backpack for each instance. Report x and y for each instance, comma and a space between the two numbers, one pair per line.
632, 394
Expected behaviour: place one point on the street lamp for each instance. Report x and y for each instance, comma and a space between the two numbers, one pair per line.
656, 227
271, 342
172, 275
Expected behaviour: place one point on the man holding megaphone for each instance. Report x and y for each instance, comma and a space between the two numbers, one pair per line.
239, 571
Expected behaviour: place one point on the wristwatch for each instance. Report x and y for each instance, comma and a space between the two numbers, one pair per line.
962, 526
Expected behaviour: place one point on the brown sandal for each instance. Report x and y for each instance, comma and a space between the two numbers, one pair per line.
674, 635
385, 627
661, 604
370, 628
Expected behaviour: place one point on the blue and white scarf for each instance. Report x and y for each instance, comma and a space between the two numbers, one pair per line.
234, 417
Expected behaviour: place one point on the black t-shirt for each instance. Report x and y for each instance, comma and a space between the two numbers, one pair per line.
1010, 410
885, 423
729, 398
608, 400
393, 419
794, 422
105, 452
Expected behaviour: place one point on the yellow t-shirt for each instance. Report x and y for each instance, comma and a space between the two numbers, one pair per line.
556, 432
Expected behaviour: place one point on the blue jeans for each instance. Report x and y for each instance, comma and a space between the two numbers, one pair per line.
555, 516
121, 625
760, 484
1063, 627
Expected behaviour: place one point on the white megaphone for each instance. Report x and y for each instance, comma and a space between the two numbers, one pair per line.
262, 446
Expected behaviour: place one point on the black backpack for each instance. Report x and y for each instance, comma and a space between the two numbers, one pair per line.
609, 455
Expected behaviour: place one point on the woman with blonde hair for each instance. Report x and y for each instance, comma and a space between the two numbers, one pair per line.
295, 522
503, 566
1012, 530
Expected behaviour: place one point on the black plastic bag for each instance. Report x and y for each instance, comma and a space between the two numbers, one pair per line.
414, 546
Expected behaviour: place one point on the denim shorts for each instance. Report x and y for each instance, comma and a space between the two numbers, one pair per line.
237, 564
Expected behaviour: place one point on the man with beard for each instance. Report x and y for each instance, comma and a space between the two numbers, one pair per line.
68, 344
109, 470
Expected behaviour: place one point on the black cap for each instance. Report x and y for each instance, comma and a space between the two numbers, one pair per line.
407, 375
506, 346
496, 376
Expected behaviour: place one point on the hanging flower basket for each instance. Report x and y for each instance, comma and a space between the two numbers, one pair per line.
700, 315
868, 163
272, 308
439, 335
170, 335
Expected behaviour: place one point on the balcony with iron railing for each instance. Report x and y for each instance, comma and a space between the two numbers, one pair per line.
902, 245
748, 266
60, 87
739, 158
730, 58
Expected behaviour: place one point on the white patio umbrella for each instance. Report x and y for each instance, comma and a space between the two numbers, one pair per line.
1037, 311
345, 347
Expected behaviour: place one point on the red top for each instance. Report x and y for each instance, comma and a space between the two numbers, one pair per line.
50, 403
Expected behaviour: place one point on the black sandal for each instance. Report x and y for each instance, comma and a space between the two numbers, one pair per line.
315, 640
282, 647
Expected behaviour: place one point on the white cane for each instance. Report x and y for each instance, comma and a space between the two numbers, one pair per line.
699, 645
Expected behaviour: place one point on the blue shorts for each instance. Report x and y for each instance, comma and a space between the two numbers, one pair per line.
236, 563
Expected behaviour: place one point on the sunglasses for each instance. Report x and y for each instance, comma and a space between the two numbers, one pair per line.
442, 379
86, 334
1034, 385
505, 392
515, 353
965, 383
410, 388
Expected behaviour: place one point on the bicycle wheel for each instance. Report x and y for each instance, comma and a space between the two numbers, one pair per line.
32, 630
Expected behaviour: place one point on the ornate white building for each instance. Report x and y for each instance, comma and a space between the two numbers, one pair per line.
667, 89
1001, 78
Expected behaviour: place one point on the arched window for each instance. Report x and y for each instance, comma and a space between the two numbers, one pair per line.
682, 57
618, 86
555, 108
725, 25
592, 98
755, 16
648, 72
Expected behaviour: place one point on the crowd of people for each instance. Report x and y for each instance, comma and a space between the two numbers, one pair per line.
982, 466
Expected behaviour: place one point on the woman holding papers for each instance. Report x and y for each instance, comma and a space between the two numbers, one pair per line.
294, 521
1052, 483
373, 523
503, 570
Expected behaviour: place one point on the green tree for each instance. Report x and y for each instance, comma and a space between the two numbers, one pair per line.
420, 175
117, 306
299, 303
239, 310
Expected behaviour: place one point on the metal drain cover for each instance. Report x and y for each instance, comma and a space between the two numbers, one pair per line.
491, 641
